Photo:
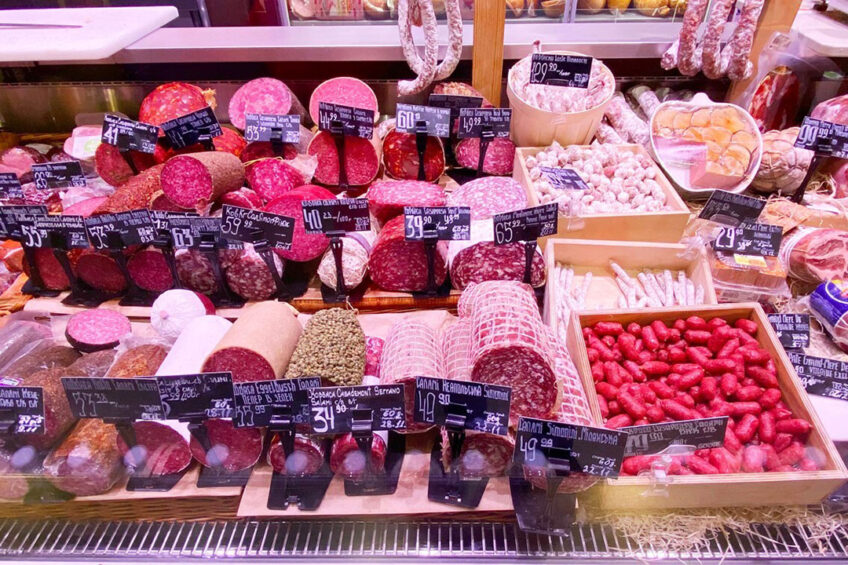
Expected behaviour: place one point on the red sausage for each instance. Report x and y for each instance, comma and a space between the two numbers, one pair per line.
770, 398
729, 347
698, 337
718, 366
746, 428
753, 459
792, 454
660, 330
729, 384
794, 426
634, 329
656, 368
762, 376
661, 389
607, 390
649, 338
696, 323
746, 325
634, 408
620, 421
748, 393
700, 467
742, 408
608, 328
767, 428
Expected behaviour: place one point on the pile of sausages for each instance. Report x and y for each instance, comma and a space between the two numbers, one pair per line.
558, 98
697, 50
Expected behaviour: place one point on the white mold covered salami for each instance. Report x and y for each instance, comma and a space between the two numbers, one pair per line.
175, 309
400, 265
263, 95
197, 180
479, 259
400, 156
356, 248
488, 196
387, 198
93, 330
499, 158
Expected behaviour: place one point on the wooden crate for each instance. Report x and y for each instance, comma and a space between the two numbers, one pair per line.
666, 226
737, 489
586, 256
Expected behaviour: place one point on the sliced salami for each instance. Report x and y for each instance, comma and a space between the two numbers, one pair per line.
195, 271
373, 354
172, 100
243, 198
356, 247
386, 198
195, 181
272, 177
345, 91
249, 276
164, 446
489, 196
400, 265
259, 96
499, 158
262, 149
347, 460
400, 156
149, 270
362, 159
482, 454
305, 459
305, 246
112, 167
100, 271
93, 330
232, 448
52, 275
88, 461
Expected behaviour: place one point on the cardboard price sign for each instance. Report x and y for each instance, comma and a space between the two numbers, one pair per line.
192, 128
114, 399
264, 127
201, 396
334, 409
336, 215
356, 122
485, 407
654, 438
133, 228
256, 401
560, 70
439, 222
251, 226
129, 135
526, 225
22, 407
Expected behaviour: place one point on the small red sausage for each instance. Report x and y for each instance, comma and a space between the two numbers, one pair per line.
608, 328
748, 393
742, 408
634, 329
746, 428
718, 366
794, 426
656, 368
607, 390
660, 330
620, 421
729, 384
649, 338
753, 459
770, 398
696, 323
767, 429
661, 389
634, 408
762, 376
700, 467
696, 337
746, 325
729, 347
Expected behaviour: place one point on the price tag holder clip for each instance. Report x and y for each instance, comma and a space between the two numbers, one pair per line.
135, 460
431, 239
371, 482
447, 486
215, 475
544, 511
264, 249
164, 242
340, 294
35, 285
421, 146
81, 294
223, 297
486, 136
337, 131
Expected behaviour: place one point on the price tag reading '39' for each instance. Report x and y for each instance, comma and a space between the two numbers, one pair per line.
451, 223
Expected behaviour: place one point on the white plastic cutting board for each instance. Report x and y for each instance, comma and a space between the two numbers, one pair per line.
76, 34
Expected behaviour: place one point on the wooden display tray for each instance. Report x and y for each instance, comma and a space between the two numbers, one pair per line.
409, 499
594, 256
737, 489
665, 226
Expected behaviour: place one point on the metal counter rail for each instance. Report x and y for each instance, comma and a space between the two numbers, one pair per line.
307, 540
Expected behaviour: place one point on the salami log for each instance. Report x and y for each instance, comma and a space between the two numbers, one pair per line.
356, 247
734, 57
272, 177
58, 418
361, 156
84, 208
259, 345
100, 271
161, 202
196, 181
195, 271
136, 193
87, 462
306, 458
306, 246
140, 361
412, 349
456, 350
243, 198
499, 155
259, 96
489, 196
172, 100
249, 277
400, 265
194, 344
93, 330
112, 166
332, 347
92, 364
479, 259
52, 275
42, 357
711, 44
387, 198
347, 460
400, 156
373, 355
689, 55
149, 270
346, 91
232, 448
509, 346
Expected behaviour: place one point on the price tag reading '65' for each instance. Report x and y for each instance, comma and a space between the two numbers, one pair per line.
526, 225
134, 228
333, 408
451, 223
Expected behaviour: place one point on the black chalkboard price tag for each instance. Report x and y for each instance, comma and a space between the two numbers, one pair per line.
333, 409
197, 397
10, 186
162, 218
825, 139
256, 401
526, 225
134, 228
114, 399
63, 174
732, 209
594, 451
447, 223
243, 224
22, 409
654, 438
12, 217
560, 70
71, 230
473, 121
821, 376
438, 119
188, 232
192, 128
129, 135
454, 102
564, 179
793, 330
336, 215
750, 239
264, 127
486, 407
357, 122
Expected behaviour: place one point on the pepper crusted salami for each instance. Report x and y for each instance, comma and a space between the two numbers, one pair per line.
150, 271
400, 265
259, 345
88, 461
489, 196
52, 274
373, 354
141, 361
479, 259
305, 246
134, 194
172, 100
41, 358
58, 417
272, 177
259, 96
93, 330
306, 458
232, 448
499, 156
262, 149
195, 181
412, 349
356, 247
332, 347
249, 277
100, 271
400, 156
346, 91
347, 460
195, 271
362, 159
387, 198
243, 198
